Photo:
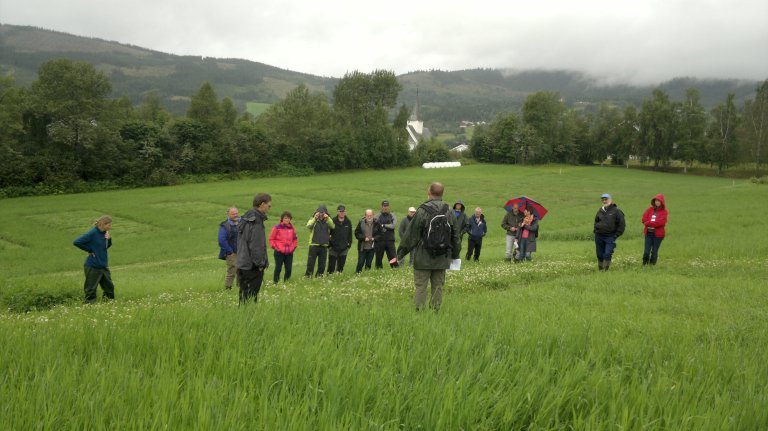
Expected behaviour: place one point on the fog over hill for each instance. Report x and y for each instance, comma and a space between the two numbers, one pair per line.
446, 96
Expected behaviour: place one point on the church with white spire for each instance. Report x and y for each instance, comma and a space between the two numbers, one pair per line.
416, 130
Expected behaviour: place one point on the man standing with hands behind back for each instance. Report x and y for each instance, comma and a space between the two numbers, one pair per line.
252, 257
609, 225
228, 245
429, 265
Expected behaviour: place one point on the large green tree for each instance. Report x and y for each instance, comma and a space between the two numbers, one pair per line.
691, 126
657, 128
756, 124
725, 120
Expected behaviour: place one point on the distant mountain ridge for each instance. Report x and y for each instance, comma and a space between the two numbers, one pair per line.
446, 97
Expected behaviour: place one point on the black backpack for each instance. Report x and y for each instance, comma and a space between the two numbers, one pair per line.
436, 237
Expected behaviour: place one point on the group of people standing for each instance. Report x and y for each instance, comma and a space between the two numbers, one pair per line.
243, 242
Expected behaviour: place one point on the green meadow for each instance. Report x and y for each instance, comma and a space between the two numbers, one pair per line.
550, 344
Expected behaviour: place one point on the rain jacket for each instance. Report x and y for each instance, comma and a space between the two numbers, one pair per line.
252, 241
227, 238
477, 229
283, 238
96, 246
657, 225
461, 217
412, 243
360, 233
341, 237
321, 229
512, 220
609, 221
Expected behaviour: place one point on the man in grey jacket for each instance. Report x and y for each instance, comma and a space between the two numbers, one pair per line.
252, 248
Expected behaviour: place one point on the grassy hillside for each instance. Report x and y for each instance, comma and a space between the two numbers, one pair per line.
447, 97
551, 344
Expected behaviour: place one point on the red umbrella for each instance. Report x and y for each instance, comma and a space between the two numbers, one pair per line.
523, 202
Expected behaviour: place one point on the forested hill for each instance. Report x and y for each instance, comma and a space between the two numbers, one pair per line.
446, 97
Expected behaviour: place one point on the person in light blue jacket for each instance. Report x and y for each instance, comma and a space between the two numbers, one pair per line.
95, 242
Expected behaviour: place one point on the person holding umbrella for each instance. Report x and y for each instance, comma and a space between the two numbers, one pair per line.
513, 220
609, 225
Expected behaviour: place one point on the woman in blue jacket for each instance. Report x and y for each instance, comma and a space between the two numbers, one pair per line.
95, 242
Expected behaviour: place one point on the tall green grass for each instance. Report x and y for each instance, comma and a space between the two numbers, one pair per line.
548, 345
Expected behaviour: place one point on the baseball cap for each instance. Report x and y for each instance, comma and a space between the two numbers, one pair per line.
606, 195
411, 209
341, 208
385, 203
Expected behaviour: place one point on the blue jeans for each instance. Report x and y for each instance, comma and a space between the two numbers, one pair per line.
280, 260
651, 252
604, 246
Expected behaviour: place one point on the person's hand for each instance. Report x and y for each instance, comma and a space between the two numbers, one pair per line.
393, 261
106, 235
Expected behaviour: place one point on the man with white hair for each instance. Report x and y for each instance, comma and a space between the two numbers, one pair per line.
228, 245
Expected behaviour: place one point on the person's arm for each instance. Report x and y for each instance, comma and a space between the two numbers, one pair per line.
273, 238
83, 241
331, 224
311, 222
223, 240
620, 224
391, 226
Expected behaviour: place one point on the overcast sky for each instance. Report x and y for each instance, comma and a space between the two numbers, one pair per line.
639, 41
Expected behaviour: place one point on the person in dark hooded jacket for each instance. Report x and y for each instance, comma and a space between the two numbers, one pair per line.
461, 217
654, 219
321, 226
609, 225
252, 258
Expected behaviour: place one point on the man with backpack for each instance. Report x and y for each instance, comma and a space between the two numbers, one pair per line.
228, 245
434, 238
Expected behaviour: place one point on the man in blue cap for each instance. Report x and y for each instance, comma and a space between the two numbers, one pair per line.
609, 225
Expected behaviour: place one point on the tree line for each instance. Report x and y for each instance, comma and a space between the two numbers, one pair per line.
659, 132
64, 134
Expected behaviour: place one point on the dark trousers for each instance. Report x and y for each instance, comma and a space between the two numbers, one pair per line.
250, 283
473, 247
95, 277
604, 246
364, 257
336, 262
389, 248
319, 253
280, 260
651, 252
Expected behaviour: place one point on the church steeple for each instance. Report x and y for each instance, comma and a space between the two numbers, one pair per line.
415, 112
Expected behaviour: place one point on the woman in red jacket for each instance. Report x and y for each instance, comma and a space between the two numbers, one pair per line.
654, 219
283, 240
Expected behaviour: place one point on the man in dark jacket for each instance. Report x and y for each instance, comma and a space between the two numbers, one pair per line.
252, 257
385, 242
321, 225
609, 225
426, 266
476, 228
228, 245
366, 232
511, 224
341, 241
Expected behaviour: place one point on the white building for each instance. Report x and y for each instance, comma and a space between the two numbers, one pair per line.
415, 127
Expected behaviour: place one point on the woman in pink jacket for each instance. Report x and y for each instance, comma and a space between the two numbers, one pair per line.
283, 241
654, 219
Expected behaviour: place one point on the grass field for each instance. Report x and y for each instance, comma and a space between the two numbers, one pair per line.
552, 344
